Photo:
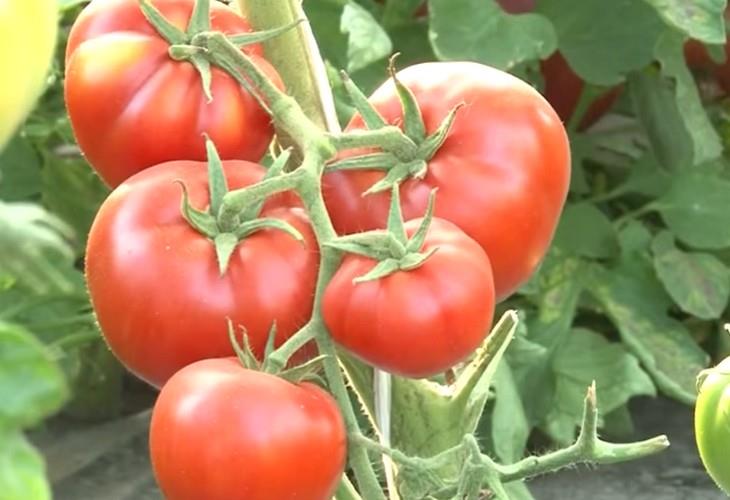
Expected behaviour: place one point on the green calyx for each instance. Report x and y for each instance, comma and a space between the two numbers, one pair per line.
392, 248
224, 234
183, 45
398, 162
306, 372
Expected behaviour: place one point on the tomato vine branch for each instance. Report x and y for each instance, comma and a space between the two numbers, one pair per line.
317, 147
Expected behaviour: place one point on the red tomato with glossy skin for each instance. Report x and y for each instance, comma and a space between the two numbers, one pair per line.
502, 173
154, 281
420, 322
562, 86
132, 106
222, 432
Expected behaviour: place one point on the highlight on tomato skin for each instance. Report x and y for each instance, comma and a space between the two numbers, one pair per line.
222, 432
132, 106
155, 284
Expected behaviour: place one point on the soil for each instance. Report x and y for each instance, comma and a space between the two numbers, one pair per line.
109, 461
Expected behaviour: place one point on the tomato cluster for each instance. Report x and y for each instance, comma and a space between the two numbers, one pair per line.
168, 271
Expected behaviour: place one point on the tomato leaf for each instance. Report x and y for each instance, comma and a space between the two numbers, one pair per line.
706, 143
596, 39
698, 282
586, 231
656, 107
696, 209
700, 19
32, 385
509, 426
74, 192
585, 357
22, 469
635, 301
367, 41
35, 247
20, 170
479, 30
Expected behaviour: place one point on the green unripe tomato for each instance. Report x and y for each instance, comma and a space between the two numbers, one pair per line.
712, 422
29, 31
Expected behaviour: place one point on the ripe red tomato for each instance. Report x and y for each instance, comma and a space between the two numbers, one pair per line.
222, 432
562, 86
132, 106
154, 281
502, 173
420, 322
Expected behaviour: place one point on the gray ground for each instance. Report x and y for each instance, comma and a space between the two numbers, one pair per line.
109, 462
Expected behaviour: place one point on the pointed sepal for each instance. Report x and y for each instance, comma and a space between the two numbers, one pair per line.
275, 170
225, 244
165, 28
252, 226
254, 37
419, 237
396, 226
306, 372
381, 270
200, 18
217, 185
373, 120
413, 124
433, 142
243, 350
372, 161
201, 220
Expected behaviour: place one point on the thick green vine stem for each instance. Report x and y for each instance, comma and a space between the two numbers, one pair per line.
317, 147
588, 448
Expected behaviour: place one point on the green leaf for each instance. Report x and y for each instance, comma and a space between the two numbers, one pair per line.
35, 249
655, 103
586, 231
634, 238
22, 469
698, 282
73, 192
367, 41
647, 178
20, 171
531, 356
697, 210
705, 140
479, 30
32, 385
604, 40
509, 425
588, 356
635, 301
700, 19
